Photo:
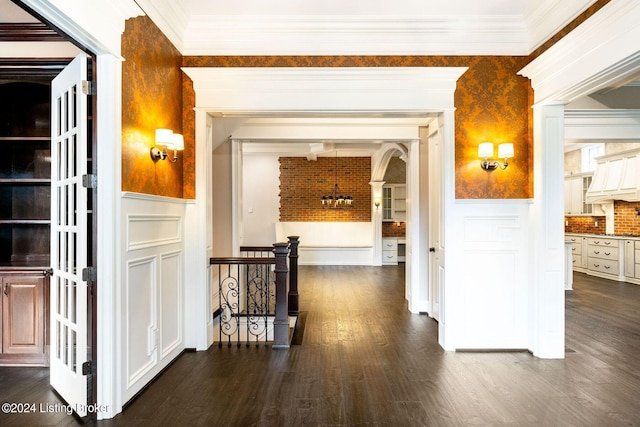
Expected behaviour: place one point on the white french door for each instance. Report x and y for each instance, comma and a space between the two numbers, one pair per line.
69, 228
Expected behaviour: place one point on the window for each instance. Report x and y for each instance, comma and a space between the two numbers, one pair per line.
589, 153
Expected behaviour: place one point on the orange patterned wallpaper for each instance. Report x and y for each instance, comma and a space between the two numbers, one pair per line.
189, 133
492, 103
151, 98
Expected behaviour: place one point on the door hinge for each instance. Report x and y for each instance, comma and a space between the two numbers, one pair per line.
90, 181
89, 368
89, 87
89, 274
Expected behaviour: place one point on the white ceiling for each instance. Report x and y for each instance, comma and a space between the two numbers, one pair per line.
354, 27
358, 27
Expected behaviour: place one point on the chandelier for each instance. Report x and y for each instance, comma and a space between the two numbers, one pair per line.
335, 199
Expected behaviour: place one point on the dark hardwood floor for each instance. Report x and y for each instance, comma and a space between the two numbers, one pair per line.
366, 361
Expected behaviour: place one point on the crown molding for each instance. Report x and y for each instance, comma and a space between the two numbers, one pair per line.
349, 35
170, 17
601, 52
549, 17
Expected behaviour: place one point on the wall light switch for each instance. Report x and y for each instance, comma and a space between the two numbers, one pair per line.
566, 223
596, 223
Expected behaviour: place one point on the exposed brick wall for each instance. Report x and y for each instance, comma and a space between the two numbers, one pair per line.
394, 229
303, 182
627, 220
585, 224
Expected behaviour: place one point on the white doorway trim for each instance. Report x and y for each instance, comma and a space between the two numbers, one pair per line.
383, 91
99, 31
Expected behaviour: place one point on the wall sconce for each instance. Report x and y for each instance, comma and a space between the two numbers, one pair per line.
485, 152
168, 140
376, 203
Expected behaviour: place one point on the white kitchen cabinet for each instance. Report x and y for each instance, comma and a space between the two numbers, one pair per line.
606, 256
578, 247
575, 189
394, 202
389, 251
603, 257
629, 259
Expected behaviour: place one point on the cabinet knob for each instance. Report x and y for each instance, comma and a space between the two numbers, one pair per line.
6, 289
432, 249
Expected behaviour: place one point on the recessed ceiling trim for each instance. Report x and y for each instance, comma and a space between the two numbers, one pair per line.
602, 124
603, 50
348, 35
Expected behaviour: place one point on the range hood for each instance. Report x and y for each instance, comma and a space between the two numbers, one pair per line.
617, 177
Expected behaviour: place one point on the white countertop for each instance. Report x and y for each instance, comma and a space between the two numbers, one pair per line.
604, 236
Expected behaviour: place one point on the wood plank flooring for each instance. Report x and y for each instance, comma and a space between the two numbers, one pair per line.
366, 361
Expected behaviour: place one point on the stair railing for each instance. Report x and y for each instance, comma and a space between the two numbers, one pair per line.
252, 298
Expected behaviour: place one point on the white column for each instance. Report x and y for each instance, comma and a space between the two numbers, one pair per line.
417, 292
448, 308
546, 294
376, 219
197, 295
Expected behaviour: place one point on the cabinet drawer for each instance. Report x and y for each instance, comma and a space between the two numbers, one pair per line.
603, 252
572, 239
596, 241
577, 260
389, 257
637, 245
603, 266
389, 244
576, 248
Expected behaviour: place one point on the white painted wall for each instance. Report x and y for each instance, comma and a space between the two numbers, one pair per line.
261, 199
330, 243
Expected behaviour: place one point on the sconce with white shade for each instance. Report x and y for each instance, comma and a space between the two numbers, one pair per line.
485, 152
167, 140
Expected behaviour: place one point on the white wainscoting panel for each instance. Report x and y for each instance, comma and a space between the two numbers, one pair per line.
309, 255
146, 231
153, 287
171, 302
140, 320
330, 243
489, 274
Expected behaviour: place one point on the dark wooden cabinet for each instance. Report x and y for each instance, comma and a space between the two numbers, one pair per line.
24, 318
25, 212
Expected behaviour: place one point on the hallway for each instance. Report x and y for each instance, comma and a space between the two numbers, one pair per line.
365, 360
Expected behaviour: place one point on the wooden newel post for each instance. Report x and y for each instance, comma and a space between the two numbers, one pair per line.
294, 309
281, 321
